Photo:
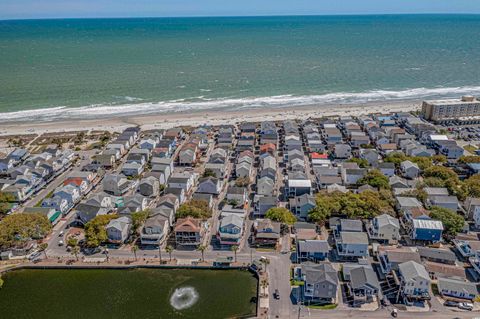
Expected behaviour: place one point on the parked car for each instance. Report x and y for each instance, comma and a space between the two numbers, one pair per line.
34, 256
60, 243
276, 294
465, 306
450, 303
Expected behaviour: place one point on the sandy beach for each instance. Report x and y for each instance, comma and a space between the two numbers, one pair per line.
209, 117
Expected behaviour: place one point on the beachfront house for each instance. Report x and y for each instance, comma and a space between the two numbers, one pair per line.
118, 229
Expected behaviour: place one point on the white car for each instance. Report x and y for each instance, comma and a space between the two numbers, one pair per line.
60, 243
465, 306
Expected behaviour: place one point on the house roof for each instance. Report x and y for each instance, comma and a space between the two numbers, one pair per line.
385, 219
319, 273
348, 237
363, 276
451, 284
437, 253
314, 246
445, 270
408, 202
427, 224
232, 219
119, 223
188, 225
411, 270
351, 225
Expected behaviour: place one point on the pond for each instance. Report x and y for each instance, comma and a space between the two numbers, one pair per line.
133, 293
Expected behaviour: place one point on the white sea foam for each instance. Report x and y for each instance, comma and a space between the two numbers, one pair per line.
183, 298
202, 103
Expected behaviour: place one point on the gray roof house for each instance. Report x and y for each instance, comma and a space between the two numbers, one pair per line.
210, 185
301, 205
415, 281
342, 151
149, 186
450, 287
384, 228
155, 230
409, 170
449, 202
363, 284
118, 229
115, 184
265, 186
320, 282
264, 203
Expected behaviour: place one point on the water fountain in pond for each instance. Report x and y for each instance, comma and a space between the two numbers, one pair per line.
183, 298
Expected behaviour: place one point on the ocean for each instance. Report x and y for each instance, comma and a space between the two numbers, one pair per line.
93, 68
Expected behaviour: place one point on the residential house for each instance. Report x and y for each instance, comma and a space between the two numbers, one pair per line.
149, 186
472, 206
409, 170
342, 151
156, 228
266, 232
118, 229
115, 184
188, 233
230, 229
132, 169
439, 255
427, 230
320, 282
263, 204
387, 169
265, 186
449, 202
384, 228
312, 250
301, 205
352, 244
459, 289
210, 185
70, 193
414, 282
237, 194
363, 284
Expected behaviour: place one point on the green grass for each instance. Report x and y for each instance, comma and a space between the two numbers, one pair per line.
294, 282
323, 307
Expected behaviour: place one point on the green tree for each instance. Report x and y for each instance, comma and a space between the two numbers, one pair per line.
452, 222
242, 182
208, 173
194, 209
95, 232
134, 251
376, 179
396, 158
16, 229
265, 262
281, 214
43, 248
441, 172
138, 218
469, 159
423, 162
5, 200
75, 251
234, 248
363, 163
264, 285
169, 250
472, 186
201, 249
439, 159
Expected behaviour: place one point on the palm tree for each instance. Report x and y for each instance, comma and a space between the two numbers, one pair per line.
75, 251
264, 284
202, 248
160, 252
134, 251
266, 262
169, 250
234, 248
43, 247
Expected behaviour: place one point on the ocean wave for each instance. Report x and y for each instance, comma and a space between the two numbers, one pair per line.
202, 103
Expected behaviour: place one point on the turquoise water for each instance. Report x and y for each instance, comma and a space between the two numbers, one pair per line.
97, 67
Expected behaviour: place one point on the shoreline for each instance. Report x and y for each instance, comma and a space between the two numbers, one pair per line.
209, 117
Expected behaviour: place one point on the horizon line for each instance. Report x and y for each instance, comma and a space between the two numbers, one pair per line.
241, 16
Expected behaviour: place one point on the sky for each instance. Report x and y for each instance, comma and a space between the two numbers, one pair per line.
34, 9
